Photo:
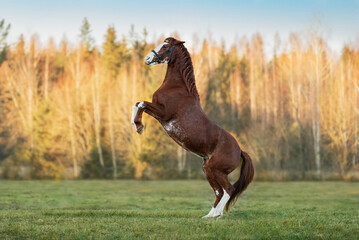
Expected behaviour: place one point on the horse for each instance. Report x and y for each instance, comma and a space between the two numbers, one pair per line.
176, 105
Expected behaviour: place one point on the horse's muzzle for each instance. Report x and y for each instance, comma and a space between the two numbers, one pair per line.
148, 60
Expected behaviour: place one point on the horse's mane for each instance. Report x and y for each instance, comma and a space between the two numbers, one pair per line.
187, 71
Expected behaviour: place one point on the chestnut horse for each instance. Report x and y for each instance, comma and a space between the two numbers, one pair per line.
177, 107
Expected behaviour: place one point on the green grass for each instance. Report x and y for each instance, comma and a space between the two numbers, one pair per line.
172, 210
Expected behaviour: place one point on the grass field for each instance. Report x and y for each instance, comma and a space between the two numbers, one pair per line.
172, 210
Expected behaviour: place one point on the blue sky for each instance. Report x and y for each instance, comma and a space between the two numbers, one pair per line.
228, 20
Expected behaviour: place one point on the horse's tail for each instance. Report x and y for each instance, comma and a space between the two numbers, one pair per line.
246, 177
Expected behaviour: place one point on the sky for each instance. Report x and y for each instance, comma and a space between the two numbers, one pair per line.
338, 21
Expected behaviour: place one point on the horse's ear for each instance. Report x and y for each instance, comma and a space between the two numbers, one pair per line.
176, 42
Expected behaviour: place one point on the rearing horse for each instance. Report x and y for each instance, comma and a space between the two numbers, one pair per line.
177, 107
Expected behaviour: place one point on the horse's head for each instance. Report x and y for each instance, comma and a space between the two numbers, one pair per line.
164, 53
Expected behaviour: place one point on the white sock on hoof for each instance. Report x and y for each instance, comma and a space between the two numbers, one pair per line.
210, 214
218, 211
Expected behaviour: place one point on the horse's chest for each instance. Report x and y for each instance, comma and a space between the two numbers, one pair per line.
159, 97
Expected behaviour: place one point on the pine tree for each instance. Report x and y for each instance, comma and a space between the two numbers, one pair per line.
87, 41
111, 54
4, 31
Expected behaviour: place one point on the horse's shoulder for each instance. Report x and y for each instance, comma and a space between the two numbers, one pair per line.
161, 95
156, 95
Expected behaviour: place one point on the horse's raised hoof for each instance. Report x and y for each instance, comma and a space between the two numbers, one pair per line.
140, 129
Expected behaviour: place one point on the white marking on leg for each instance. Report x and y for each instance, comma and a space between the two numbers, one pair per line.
141, 105
218, 211
134, 113
210, 214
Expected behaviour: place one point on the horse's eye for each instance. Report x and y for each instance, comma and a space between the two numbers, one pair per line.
165, 46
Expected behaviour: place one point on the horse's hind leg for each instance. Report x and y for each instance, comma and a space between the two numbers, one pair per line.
228, 189
220, 166
218, 191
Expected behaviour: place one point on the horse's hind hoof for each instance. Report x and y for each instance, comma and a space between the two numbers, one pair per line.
140, 130
212, 216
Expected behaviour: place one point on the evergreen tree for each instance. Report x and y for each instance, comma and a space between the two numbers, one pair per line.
4, 31
113, 52
87, 41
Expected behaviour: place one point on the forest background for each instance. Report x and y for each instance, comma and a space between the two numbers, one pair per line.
65, 108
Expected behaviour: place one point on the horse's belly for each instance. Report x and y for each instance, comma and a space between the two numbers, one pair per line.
185, 137
176, 132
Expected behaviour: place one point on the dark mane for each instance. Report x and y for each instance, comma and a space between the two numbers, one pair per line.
187, 71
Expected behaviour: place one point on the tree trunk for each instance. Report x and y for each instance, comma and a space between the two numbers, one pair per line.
77, 77
30, 103
112, 140
317, 116
355, 137
181, 158
46, 75
97, 118
343, 120
73, 147
72, 135
251, 90
356, 102
295, 96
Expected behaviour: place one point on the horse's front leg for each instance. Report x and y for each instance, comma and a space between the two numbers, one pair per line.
155, 110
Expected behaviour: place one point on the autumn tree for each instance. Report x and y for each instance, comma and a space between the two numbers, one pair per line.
65, 110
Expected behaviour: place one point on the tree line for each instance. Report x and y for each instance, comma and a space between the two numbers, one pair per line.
65, 109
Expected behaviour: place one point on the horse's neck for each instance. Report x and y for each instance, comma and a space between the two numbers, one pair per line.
173, 77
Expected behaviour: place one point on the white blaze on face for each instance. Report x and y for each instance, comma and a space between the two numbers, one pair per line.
149, 58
